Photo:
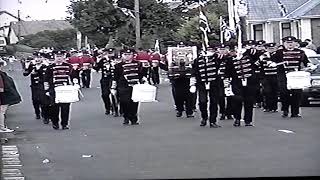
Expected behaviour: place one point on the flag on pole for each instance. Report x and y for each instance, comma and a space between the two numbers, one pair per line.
204, 27
157, 46
227, 32
127, 12
282, 8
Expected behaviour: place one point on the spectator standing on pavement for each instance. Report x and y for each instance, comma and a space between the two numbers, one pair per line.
311, 45
8, 96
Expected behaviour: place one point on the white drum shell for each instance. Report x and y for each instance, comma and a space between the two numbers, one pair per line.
66, 94
144, 93
298, 80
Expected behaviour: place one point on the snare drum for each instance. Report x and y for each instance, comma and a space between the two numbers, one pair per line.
298, 80
66, 94
144, 93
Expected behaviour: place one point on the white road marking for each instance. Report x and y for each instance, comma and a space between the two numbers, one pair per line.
286, 131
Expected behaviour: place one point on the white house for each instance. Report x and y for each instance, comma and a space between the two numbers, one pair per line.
302, 20
5, 19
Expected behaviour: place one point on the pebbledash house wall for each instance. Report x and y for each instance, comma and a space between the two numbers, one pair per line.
315, 30
298, 29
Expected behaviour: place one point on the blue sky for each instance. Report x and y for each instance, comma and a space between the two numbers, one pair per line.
37, 9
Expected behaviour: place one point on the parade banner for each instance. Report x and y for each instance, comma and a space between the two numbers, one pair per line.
181, 58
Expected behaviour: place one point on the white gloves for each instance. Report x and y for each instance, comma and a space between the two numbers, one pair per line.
113, 92
46, 85
193, 89
273, 64
47, 94
311, 66
226, 82
144, 80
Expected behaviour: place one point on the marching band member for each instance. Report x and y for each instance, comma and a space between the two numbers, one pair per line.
225, 60
270, 80
126, 75
144, 57
58, 74
244, 85
86, 64
255, 50
106, 65
75, 62
40, 102
205, 79
179, 76
155, 60
293, 59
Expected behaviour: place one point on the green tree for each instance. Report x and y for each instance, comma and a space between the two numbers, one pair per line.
96, 19
157, 20
59, 39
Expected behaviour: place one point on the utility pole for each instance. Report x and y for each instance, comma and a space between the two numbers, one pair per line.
19, 26
243, 25
137, 14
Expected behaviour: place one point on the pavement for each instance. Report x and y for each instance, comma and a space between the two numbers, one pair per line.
163, 147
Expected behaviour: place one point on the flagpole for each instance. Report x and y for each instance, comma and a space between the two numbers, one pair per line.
221, 31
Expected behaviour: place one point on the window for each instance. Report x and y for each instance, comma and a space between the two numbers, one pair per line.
286, 29
258, 32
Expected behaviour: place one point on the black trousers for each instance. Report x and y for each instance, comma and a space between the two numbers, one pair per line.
105, 93
182, 95
37, 107
259, 96
41, 109
225, 105
213, 101
194, 97
129, 108
289, 97
63, 109
155, 75
270, 91
244, 98
173, 94
86, 78
75, 74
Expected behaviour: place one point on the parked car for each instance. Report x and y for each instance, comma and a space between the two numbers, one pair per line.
312, 95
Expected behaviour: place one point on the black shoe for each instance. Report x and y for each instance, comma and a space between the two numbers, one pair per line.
116, 115
190, 115
56, 127
236, 123
203, 123
65, 127
222, 117
38, 116
296, 116
249, 124
107, 113
214, 125
126, 122
229, 117
46, 121
285, 114
134, 123
266, 110
179, 114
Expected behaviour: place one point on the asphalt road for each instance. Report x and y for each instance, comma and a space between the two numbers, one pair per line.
163, 146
